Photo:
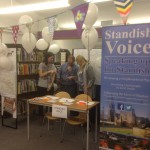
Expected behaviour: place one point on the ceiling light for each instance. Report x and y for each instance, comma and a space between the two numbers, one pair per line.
35, 7
99, 1
139, 20
73, 26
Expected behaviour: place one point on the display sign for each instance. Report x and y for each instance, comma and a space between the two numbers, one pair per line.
125, 90
8, 78
59, 111
8, 83
9, 107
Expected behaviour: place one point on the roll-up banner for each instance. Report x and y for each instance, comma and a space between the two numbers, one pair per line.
125, 89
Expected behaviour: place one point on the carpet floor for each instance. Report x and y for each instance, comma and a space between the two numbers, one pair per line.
41, 138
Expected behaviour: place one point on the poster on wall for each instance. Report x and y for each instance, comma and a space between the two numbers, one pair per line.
8, 83
8, 77
8, 91
125, 89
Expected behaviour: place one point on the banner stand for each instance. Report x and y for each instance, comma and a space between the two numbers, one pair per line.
125, 88
16, 124
9, 112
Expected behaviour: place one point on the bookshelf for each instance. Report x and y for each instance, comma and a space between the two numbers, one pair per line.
27, 73
27, 69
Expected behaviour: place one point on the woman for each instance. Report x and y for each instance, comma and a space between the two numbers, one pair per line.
47, 73
86, 76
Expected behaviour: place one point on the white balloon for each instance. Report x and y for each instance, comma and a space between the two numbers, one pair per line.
5, 63
28, 42
56, 24
46, 35
3, 49
23, 29
91, 16
89, 38
54, 48
25, 19
98, 62
75, 2
41, 44
34, 28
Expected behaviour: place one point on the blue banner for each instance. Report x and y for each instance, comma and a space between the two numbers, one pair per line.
125, 89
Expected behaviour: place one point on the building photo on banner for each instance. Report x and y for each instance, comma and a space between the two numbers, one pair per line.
75, 74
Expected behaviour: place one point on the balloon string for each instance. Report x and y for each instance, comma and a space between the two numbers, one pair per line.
1, 30
29, 25
87, 37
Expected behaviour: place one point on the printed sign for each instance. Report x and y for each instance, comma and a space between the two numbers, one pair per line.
9, 107
59, 111
125, 90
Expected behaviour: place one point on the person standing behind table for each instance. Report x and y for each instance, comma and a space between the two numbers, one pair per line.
67, 76
47, 73
86, 77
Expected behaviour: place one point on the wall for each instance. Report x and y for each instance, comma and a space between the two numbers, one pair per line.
107, 11
74, 44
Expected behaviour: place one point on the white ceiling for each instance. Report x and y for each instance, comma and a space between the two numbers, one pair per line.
107, 11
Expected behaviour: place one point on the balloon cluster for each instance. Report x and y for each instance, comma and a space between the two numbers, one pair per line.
90, 35
47, 36
29, 41
5, 63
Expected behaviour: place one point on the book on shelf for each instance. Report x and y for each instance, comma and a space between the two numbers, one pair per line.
26, 86
27, 69
22, 56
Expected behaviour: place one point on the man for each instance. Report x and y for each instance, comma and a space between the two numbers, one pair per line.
67, 76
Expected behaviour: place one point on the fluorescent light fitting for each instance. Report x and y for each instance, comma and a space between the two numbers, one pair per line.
139, 20
35, 7
73, 26
100, 1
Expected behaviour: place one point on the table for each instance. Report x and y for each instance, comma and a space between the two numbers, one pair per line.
44, 101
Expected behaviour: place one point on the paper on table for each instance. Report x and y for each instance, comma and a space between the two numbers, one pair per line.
52, 97
65, 100
52, 101
85, 103
38, 98
91, 103
67, 103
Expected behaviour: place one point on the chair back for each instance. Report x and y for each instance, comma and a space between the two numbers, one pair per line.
63, 94
84, 97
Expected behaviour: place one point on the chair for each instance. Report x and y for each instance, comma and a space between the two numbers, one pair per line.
48, 115
63, 95
79, 120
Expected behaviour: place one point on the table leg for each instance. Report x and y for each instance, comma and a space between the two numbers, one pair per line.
28, 119
48, 119
87, 135
96, 115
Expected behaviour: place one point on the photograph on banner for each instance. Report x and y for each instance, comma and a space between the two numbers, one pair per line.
111, 141
125, 96
9, 107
